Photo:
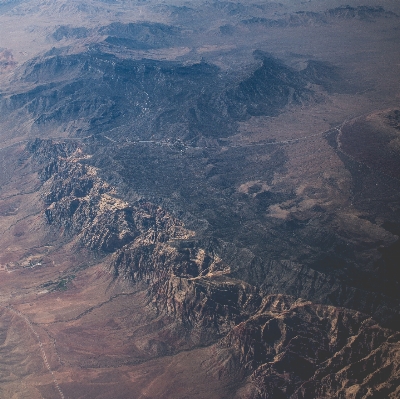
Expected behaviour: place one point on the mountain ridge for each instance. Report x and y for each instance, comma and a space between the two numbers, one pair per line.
199, 201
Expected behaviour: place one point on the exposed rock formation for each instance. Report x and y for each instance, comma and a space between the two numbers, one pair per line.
199, 212
278, 346
85, 206
294, 349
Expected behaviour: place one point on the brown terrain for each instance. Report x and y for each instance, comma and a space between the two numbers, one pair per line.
158, 316
199, 200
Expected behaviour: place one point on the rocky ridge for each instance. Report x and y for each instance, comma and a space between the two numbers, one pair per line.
148, 245
296, 349
163, 98
194, 210
83, 205
276, 345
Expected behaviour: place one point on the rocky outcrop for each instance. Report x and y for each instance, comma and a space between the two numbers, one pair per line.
276, 345
86, 208
295, 349
188, 284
